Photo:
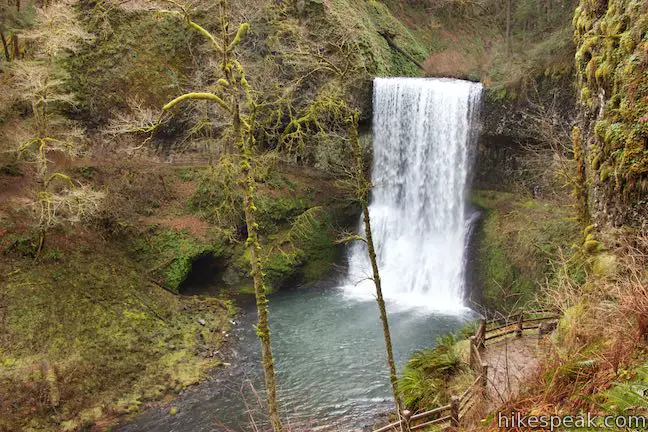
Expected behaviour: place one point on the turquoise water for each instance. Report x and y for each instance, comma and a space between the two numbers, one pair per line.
331, 365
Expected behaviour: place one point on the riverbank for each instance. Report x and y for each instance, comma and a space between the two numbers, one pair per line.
99, 321
330, 376
225, 384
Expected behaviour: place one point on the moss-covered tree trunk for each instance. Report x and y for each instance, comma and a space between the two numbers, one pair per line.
363, 187
232, 93
244, 143
253, 247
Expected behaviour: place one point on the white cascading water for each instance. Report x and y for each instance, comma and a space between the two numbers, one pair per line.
422, 133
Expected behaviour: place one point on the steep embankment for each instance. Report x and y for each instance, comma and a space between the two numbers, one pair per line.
518, 241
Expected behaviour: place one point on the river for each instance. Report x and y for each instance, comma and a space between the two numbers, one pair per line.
331, 365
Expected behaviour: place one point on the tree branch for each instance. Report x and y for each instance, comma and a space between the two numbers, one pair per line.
198, 96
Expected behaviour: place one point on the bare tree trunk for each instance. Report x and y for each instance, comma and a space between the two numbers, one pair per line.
508, 26
363, 187
14, 38
5, 47
15, 44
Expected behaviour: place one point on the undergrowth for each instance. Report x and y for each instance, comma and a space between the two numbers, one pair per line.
431, 376
595, 361
520, 239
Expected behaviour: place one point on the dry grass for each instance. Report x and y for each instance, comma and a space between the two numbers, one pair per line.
603, 334
450, 63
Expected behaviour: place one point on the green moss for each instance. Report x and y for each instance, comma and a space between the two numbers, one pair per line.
170, 254
306, 249
605, 172
314, 234
518, 240
568, 322
605, 265
612, 37
278, 211
588, 230
135, 55
591, 246
112, 340
603, 72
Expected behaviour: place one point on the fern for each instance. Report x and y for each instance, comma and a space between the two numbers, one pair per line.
306, 225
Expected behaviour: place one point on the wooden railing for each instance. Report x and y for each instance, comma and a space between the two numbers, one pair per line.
445, 416
450, 416
494, 329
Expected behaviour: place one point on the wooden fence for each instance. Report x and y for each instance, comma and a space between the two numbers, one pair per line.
450, 416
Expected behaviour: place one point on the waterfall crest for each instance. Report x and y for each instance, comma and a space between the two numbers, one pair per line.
422, 133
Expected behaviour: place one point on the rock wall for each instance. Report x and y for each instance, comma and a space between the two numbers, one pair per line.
612, 64
509, 130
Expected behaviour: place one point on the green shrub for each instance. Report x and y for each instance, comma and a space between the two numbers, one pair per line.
425, 377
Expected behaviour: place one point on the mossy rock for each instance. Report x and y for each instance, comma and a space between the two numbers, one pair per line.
605, 265
611, 64
170, 254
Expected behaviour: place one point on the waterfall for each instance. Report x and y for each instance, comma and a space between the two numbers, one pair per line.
422, 133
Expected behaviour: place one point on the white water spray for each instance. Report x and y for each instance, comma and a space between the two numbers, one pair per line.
422, 132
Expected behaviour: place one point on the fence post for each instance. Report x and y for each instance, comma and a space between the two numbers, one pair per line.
407, 414
484, 380
473, 347
454, 411
520, 322
481, 333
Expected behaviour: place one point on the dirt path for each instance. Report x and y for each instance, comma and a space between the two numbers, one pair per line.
510, 362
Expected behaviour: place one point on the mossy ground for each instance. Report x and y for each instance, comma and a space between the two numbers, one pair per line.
520, 239
367, 19
92, 331
136, 56
86, 337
